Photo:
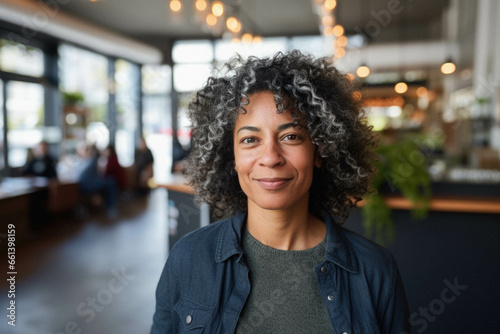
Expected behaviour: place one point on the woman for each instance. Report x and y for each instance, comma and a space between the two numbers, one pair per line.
280, 146
112, 167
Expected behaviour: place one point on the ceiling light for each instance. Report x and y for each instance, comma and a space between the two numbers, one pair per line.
363, 71
448, 67
327, 31
401, 87
339, 53
338, 30
257, 39
211, 20
233, 24
421, 91
357, 95
325, 10
327, 20
350, 77
217, 8
247, 38
342, 41
330, 4
201, 5
175, 5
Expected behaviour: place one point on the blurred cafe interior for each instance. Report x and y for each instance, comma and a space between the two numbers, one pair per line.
98, 90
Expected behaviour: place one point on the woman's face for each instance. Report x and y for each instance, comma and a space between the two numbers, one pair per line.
274, 160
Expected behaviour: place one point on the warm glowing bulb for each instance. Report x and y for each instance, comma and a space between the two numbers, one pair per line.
401, 87
363, 71
421, 91
201, 5
448, 67
330, 4
217, 8
357, 95
327, 20
338, 30
339, 53
350, 77
257, 39
175, 5
247, 38
342, 41
327, 31
235, 41
233, 24
211, 20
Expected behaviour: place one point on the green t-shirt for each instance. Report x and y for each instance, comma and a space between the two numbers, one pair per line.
285, 296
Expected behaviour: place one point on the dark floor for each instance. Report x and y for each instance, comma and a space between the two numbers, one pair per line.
97, 275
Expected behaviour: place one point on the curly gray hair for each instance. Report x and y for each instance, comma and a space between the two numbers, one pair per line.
322, 97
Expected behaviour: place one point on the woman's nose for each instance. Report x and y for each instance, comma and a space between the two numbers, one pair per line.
271, 155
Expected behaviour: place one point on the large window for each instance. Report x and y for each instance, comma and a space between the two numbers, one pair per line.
193, 63
24, 119
21, 59
21, 102
84, 74
127, 78
157, 116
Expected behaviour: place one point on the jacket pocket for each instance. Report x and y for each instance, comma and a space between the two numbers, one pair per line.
193, 315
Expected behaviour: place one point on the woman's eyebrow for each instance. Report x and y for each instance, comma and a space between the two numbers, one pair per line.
287, 125
280, 128
248, 127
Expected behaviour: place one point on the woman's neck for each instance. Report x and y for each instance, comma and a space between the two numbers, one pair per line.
289, 229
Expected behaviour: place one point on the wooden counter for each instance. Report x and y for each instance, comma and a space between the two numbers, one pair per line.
450, 204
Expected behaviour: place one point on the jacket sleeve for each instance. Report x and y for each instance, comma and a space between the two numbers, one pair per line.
165, 319
394, 317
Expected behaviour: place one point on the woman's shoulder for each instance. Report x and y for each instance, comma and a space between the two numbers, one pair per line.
202, 242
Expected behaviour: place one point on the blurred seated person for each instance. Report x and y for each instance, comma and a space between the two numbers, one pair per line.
41, 164
92, 182
144, 164
111, 167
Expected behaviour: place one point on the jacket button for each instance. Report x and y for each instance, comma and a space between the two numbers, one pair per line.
189, 318
323, 269
330, 297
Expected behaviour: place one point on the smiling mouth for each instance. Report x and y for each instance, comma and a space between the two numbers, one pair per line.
272, 183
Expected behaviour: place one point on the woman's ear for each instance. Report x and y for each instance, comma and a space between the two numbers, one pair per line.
317, 159
317, 162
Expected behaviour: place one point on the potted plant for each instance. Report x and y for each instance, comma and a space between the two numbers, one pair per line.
402, 168
72, 98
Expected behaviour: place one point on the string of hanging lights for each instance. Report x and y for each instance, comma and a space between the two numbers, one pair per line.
221, 19
325, 10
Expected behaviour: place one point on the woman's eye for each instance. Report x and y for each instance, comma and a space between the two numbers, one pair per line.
291, 137
249, 140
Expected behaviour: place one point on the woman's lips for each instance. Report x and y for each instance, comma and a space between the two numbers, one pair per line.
272, 183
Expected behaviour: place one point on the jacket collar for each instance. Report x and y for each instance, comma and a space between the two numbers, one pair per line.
337, 251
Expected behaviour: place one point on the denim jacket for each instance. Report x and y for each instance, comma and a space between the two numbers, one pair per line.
205, 283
